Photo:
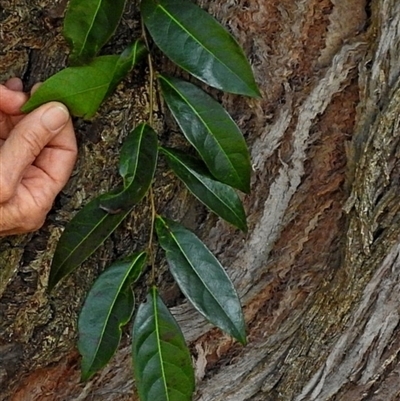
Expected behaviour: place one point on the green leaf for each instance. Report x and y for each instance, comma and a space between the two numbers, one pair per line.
89, 228
107, 308
82, 89
161, 360
138, 160
201, 278
195, 41
218, 197
88, 26
92, 225
126, 62
211, 130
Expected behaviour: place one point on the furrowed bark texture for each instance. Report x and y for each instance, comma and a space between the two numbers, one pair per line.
319, 270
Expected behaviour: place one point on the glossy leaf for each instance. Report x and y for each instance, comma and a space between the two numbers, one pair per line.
161, 359
82, 89
138, 160
99, 218
89, 228
211, 130
89, 24
201, 277
195, 41
126, 62
107, 308
218, 197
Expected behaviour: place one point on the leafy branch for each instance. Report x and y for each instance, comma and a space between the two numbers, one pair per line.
198, 44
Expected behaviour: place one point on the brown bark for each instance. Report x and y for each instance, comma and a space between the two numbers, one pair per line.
319, 270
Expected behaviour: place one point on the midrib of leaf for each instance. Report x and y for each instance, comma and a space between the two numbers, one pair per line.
91, 26
83, 239
205, 185
135, 52
196, 40
133, 62
221, 200
113, 304
159, 343
91, 89
137, 157
188, 260
205, 124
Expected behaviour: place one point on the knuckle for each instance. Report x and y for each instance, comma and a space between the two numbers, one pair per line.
75, 149
33, 142
6, 190
33, 224
20, 219
35, 217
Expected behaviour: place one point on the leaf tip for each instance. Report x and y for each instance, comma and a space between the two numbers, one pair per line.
245, 187
240, 335
29, 105
24, 108
51, 283
243, 340
244, 227
256, 93
86, 373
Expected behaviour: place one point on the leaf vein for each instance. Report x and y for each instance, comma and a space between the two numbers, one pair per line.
198, 114
196, 40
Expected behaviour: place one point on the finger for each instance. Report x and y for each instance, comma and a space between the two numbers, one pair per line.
57, 160
11, 101
35, 87
7, 123
26, 142
13, 120
22, 213
14, 84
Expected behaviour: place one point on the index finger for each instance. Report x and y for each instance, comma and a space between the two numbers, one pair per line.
15, 84
11, 100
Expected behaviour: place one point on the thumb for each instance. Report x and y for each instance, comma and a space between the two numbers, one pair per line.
25, 143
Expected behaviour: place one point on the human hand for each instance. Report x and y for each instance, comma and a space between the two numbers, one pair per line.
37, 154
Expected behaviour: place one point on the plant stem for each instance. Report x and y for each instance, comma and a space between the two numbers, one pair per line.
151, 253
150, 122
151, 89
151, 76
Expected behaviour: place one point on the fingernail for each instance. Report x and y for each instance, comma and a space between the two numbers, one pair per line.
55, 117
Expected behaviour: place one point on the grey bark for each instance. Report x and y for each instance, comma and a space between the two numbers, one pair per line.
318, 273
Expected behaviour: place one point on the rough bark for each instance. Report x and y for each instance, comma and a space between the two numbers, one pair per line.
318, 271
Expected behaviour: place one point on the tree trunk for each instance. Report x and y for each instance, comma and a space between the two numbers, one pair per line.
319, 270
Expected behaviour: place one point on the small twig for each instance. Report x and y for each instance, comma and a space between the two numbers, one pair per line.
150, 122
